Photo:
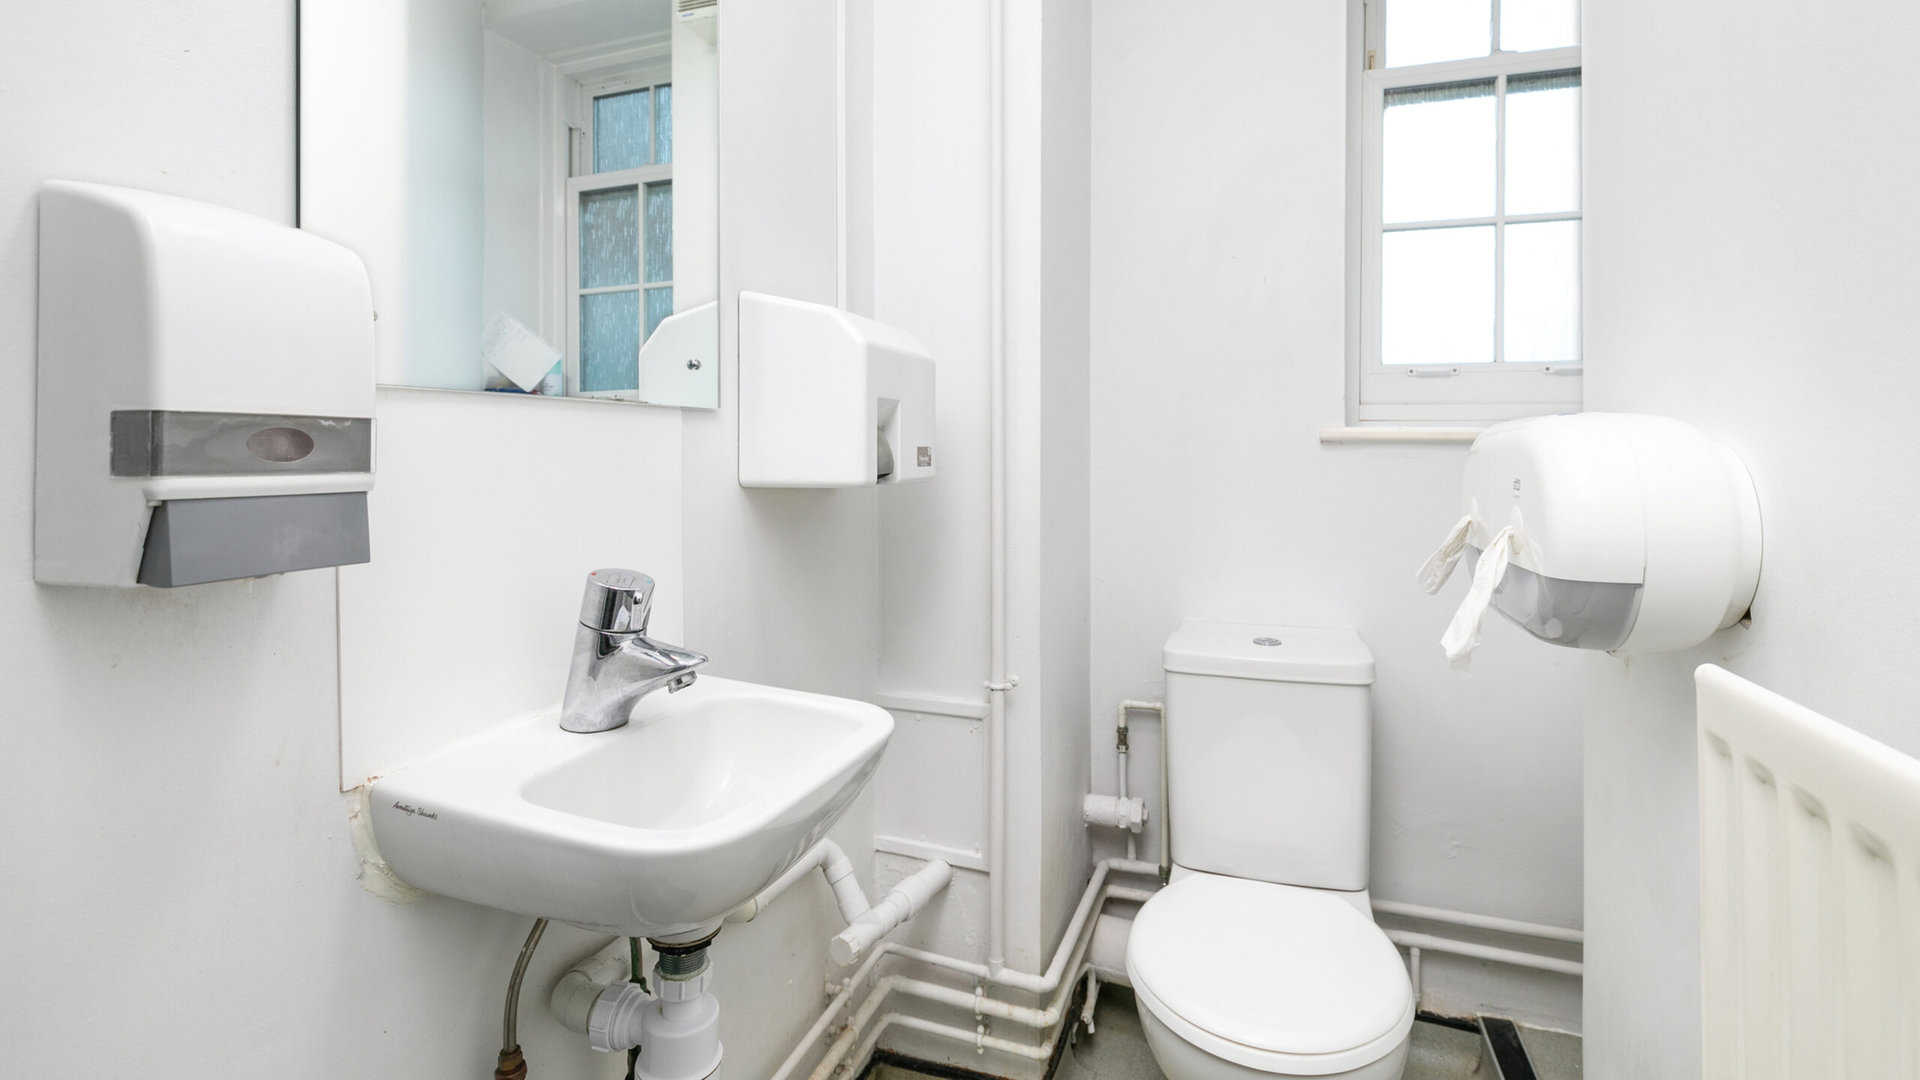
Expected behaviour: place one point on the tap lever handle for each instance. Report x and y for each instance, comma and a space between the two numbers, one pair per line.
617, 601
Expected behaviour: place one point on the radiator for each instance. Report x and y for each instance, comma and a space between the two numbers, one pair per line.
1809, 893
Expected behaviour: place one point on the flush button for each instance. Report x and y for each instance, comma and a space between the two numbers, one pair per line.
1268, 642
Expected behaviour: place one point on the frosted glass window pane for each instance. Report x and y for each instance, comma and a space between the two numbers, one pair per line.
1438, 147
620, 130
1543, 142
1543, 293
1526, 25
663, 125
610, 341
659, 232
1436, 296
609, 237
1423, 31
659, 306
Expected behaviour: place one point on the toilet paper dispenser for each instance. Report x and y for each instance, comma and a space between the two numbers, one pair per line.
204, 394
1611, 531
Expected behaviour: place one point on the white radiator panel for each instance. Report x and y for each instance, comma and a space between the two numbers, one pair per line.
1809, 893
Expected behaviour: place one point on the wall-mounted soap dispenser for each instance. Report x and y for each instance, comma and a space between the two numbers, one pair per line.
205, 393
830, 399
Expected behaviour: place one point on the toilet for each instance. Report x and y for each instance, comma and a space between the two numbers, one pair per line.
1260, 958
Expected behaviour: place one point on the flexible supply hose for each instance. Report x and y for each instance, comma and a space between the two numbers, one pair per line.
513, 1064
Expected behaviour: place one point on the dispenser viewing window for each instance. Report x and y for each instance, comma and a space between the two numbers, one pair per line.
205, 393
1602, 531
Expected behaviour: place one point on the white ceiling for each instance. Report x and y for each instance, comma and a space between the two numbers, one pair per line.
557, 26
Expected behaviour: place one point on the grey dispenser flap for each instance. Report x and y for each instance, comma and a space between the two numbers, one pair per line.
193, 541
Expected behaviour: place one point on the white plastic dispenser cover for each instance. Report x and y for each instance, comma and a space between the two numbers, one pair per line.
204, 394
1304, 654
830, 399
1606, 531
1270, 976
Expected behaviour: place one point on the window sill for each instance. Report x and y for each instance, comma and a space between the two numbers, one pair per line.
1398, 434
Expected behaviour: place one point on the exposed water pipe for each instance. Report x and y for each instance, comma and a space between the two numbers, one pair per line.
899, 905
1120, 749
833, 863
999, 681
1158, 708
1047, 982
1481, 922
1068, 954
866, 923
866, 1024
856, 1043
979, 1040
1408, 939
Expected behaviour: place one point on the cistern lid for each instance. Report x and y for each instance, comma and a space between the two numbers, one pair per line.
1275, 977
1306, 654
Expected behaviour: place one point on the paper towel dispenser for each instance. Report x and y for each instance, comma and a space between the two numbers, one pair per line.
1609, 531
829, 398
204, 397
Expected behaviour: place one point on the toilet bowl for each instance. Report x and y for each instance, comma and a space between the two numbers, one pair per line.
1238, 979
1261, 958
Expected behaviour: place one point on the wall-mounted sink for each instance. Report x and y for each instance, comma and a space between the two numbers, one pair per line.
656, 829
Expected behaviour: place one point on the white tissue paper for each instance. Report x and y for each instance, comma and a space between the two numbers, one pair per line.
1439, 566
517, 352
1463, 633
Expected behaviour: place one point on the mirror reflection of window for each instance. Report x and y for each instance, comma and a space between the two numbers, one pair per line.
532, 185
623, 235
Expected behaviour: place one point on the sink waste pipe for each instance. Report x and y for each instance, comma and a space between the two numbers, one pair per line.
832, 863
676, 1024
866, 923
675, 1027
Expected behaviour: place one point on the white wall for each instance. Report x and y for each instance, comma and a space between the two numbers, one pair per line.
1750, 269
401, 85
176, 754
175, 761
920, 256
523, 153
1061, 509
487, 516
1218, 255
782, 586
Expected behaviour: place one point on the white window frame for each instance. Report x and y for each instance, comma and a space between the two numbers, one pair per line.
1443, 394
584, 181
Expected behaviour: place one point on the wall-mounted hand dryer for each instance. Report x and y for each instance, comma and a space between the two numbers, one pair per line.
830, 399
1603, 531
205, 393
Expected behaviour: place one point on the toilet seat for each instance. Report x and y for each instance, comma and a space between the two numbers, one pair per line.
1278, 978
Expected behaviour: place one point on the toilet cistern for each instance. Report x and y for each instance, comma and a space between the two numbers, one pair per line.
615, 663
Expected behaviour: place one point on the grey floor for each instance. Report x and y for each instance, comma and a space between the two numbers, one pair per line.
1117, 1050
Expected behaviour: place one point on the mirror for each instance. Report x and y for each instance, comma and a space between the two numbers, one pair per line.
532, 185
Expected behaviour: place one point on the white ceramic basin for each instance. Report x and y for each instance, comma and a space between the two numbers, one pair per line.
654, 829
